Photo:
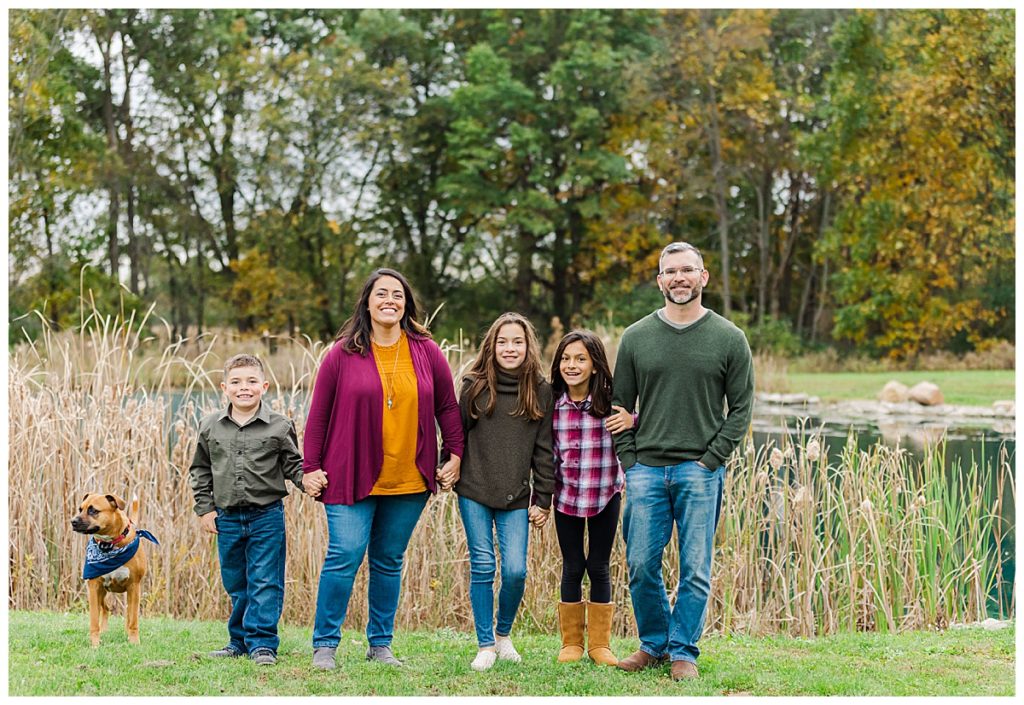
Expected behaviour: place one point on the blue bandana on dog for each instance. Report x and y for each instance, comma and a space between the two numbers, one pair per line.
102, 558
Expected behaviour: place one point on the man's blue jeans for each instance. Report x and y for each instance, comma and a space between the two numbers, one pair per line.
251, 546
512, 525
378, 527
689, 495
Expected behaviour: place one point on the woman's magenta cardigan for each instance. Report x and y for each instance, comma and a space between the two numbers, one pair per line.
344, 429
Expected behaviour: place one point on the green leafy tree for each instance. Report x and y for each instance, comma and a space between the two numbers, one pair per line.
52, 153
532, 141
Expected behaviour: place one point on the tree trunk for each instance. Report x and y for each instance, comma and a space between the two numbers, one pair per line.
525, 246
226, 172
719, 187
179, 318
50, 267
577, 235
721, 196
560, 277
805, 298
128, 159
783, 280
763, 191
822, 297
200, 302
113, 206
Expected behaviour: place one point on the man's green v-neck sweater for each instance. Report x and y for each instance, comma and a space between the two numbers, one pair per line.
682, 379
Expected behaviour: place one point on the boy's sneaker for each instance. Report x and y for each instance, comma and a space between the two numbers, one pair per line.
263, 657
503, 647
383, 655
323, 657
225, 652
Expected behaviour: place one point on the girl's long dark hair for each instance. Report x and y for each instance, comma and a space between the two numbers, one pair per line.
484, 371
355, 332
600, 381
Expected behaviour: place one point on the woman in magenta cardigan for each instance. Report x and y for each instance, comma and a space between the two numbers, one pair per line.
370, 451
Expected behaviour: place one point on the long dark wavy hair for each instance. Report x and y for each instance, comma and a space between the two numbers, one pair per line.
600, 381
355, 332
484, 371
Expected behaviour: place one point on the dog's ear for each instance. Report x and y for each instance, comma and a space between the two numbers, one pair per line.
85, 497
116, 501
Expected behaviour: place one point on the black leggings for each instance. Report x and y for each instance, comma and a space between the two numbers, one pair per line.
575, 562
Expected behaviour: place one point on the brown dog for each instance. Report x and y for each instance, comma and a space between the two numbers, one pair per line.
115, 559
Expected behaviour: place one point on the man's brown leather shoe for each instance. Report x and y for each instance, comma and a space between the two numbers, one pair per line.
639, 660
681, 670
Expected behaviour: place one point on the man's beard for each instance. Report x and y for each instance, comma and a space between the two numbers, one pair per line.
682, 299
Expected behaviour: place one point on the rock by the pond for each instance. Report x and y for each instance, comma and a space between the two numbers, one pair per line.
926, 394
1004, 407
787, 399
989, 624
893, 392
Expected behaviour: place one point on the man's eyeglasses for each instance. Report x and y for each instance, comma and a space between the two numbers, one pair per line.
686, 271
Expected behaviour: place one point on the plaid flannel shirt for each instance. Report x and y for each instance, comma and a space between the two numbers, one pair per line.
587, 471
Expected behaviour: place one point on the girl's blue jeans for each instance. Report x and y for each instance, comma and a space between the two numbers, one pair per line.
512, 527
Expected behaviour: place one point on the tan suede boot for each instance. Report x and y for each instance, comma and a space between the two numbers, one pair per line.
599, 633
571, 616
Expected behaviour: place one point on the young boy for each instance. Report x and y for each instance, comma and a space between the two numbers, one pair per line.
243, 457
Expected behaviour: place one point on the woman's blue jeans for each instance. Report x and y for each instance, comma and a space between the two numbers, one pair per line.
512, 527
378, 527
689, 496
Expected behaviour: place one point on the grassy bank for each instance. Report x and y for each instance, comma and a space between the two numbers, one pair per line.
49, 655
961, 387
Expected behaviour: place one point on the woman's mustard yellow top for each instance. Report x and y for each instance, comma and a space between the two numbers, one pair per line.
398, 473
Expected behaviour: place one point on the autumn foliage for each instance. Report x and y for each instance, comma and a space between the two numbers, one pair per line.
848, 174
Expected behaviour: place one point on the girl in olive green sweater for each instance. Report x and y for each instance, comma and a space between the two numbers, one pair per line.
506, 413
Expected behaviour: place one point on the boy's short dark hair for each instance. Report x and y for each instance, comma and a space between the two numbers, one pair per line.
243, 360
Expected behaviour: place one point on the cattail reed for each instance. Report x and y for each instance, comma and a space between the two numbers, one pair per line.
872, 541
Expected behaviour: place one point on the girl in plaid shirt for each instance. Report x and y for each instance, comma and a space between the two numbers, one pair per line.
588, 490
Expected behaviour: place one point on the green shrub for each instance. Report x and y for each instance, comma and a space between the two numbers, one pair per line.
771, 335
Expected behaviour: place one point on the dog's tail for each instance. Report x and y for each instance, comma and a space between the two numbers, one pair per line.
136, 509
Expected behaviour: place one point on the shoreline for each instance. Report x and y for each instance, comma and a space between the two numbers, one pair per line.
890, 417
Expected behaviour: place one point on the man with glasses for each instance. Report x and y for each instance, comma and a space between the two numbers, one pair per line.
682, 363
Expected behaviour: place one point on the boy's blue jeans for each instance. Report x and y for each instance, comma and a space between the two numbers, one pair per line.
379, 527
251, 545
690, 496
512, 527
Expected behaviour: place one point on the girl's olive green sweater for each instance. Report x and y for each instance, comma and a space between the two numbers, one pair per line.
503, 453
683, 379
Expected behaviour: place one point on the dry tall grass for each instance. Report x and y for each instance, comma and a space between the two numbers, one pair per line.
873, 542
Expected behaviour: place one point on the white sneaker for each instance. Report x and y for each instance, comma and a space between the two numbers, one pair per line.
484, 660
505, 650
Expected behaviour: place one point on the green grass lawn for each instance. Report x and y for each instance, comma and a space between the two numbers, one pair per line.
964, 387
49, 654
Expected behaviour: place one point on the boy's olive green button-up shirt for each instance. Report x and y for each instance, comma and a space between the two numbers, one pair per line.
244, 465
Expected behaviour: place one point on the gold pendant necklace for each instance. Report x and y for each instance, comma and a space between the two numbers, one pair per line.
389, 383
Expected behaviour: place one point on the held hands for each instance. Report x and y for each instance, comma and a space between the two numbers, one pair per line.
448, 474
538, 516
618, 422
208, 522
313, 483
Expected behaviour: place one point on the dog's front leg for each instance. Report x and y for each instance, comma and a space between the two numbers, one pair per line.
104, 608
95, 599
131, 616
